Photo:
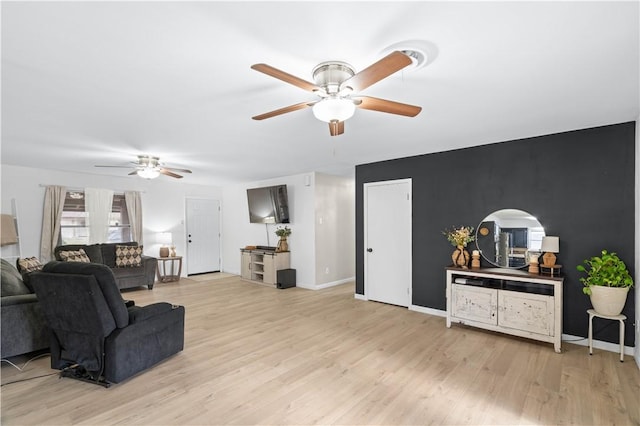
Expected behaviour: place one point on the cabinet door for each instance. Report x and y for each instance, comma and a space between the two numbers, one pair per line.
524, 311
269, 276
245, 268
474, 303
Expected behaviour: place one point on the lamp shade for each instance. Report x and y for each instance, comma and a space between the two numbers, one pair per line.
164, 238
550, 244
334, 109
148, 173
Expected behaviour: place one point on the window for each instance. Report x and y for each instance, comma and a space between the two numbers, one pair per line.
74, 226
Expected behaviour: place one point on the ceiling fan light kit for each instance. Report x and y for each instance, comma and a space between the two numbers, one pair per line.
335, 83
334, 109
149, 167
148, 173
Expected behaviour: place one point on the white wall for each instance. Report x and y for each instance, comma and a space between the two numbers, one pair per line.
238, 232
163, 202
313, 247
334, 229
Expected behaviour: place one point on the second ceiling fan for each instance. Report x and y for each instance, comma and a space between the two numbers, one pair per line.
336, 83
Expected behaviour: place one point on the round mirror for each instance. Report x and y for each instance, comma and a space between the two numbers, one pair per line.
508, 238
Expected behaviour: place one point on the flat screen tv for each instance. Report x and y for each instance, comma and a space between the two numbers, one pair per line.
268, 205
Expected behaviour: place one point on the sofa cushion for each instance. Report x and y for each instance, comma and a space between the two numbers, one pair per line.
11, 284
74, 256
104, 278
128, 256
92, 250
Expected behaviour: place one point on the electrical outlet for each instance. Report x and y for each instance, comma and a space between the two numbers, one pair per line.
326, 270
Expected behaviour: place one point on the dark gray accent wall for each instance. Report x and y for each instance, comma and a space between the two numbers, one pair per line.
579, 184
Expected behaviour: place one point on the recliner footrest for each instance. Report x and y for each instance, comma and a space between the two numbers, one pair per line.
78, 372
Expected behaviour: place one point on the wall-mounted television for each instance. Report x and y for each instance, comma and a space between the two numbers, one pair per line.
268, 204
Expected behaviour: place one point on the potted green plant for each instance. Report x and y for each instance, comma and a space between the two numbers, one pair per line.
283, 233
607, 282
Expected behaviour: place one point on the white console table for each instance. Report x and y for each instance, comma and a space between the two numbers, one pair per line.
507, 301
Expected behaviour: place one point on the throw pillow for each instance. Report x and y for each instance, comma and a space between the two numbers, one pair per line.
128, 256
74, 256
29, 264
26, 266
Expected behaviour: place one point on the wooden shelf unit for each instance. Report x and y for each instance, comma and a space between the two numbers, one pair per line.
507, 301
261, 266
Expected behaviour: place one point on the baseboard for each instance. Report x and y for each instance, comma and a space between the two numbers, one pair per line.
360, 297
428, 311
597, 344
577, 340
306, 286
326, 285
335, 283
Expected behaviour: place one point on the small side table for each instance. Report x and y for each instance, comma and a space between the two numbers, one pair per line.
552, 271
621, 318
165, 277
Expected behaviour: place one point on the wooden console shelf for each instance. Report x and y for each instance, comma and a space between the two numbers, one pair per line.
507, 301
261, 266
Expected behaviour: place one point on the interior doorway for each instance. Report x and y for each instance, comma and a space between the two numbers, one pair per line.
387, 241
203, 235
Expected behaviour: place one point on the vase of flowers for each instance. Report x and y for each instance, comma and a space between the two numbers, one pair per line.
283, 232
460, 237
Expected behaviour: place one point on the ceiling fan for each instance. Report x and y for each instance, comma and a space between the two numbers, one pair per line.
149, 167
335, 84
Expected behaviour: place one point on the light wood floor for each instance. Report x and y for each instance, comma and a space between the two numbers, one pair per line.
257, 355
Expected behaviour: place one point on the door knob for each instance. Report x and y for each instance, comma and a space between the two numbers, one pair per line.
370, 250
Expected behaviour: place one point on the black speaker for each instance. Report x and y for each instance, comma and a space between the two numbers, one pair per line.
286, 278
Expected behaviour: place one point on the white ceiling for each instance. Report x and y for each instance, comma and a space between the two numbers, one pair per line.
86, 83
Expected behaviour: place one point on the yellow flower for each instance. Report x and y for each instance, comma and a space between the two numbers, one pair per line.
460, 236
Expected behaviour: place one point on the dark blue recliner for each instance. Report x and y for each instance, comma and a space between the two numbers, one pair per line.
95, 336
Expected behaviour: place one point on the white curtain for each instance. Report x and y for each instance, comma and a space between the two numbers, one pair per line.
98, 203
134, 209
53, 207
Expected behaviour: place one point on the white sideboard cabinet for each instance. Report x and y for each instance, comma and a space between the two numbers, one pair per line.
507, 301
261, 266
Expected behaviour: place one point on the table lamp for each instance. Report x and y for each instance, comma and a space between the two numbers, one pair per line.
550, 245
165, 239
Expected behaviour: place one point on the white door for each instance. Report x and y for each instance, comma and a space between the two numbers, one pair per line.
387, 222
203, 236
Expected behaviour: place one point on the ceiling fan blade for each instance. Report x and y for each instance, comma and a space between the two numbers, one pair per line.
383, 105
386, 66
135, 172
173, 169
336, 128
168, 173
284, 110
286, 77
118, 167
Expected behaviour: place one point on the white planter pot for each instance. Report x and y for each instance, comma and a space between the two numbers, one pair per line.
608, 300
